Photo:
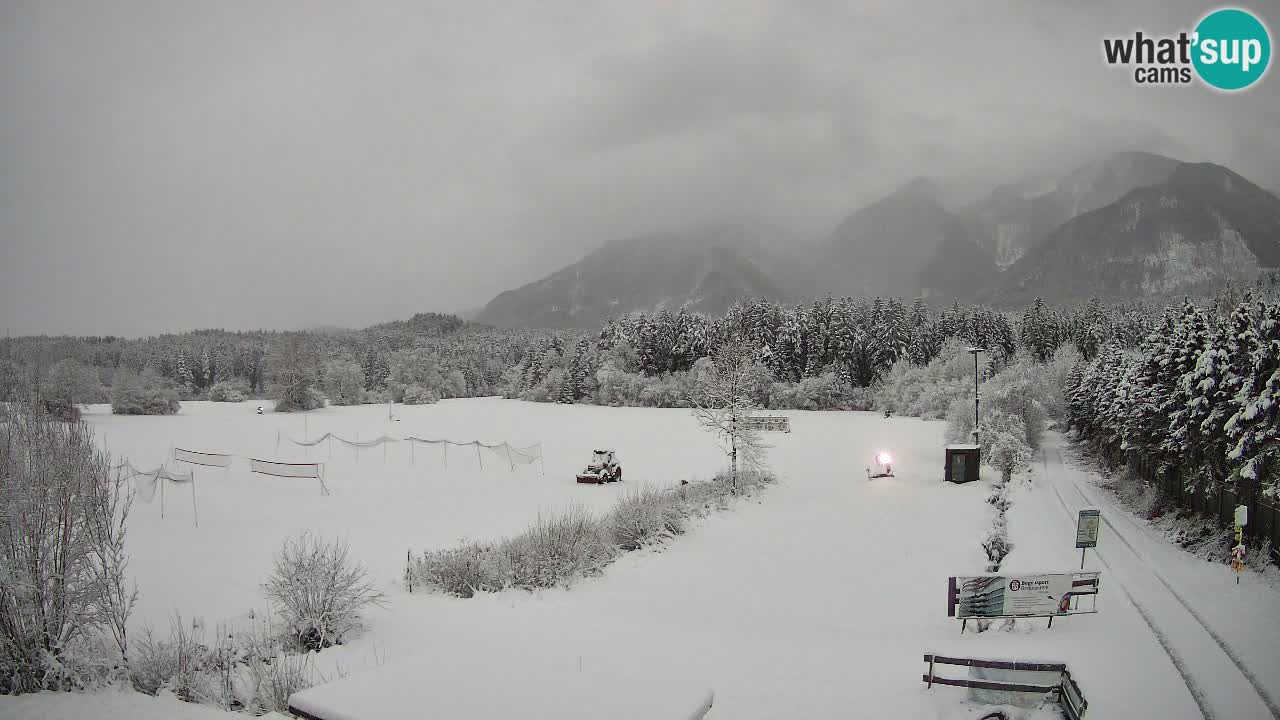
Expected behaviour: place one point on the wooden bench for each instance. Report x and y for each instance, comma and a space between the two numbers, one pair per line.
1066, 692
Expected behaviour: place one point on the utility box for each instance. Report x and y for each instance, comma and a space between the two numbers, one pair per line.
962, 463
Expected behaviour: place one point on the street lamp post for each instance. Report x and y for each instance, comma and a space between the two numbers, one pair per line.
974, 351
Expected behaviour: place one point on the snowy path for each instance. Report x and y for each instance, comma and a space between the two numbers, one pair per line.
1223, 660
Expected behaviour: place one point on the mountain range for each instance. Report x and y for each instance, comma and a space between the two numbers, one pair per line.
1130, 225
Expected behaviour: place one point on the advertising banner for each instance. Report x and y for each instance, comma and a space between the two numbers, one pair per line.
993, 596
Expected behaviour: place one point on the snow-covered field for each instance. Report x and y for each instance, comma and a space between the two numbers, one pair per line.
387, 501
816, 599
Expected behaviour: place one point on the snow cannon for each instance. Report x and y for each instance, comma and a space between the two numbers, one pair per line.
603, 468
882, 466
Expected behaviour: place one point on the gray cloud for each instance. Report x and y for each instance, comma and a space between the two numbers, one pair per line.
237, 164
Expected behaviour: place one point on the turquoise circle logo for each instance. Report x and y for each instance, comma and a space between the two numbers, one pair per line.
1232, 49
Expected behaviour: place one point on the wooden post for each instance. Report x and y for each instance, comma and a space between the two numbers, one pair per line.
1050, 621
963, 622
930, 671
477, 443
408, 568
509, 461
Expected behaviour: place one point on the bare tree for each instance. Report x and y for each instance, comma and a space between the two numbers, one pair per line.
62, 561
722, 402
320, 590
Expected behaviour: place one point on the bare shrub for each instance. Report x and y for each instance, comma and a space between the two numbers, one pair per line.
461, 571
560, 548
646, 516
62, 561
273, 678
556, 549
320, 590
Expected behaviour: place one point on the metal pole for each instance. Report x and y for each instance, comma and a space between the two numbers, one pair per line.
975, 398
1082, 558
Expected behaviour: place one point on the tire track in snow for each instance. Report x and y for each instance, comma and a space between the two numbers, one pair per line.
1222, 644
1263, 696
1179, 664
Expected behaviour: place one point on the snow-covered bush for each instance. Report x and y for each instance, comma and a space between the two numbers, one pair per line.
996, 543
274, 679
561, 548
63, 513
1003, 439
617, 387
548, 389
462, 571
928, 391
1021, 390
418, 395
422, 368
1053, 377
230, 391
145, 394
293, 368
69, 383
184, 664
959, 419
670, 390
320, 590
343, 382
645, 516
555, 550
823, 392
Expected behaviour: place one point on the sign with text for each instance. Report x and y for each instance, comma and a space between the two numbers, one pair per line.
770, 423
1087, 528
994, 596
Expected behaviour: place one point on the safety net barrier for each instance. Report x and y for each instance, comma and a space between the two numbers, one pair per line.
292, 470
504, 451
196, 457
149, 483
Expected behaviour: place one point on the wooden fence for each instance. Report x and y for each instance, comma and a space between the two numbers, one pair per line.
1264, 518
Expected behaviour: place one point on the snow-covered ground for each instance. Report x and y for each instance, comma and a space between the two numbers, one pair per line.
818, 598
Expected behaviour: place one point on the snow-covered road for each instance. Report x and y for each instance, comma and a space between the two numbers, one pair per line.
1227, 654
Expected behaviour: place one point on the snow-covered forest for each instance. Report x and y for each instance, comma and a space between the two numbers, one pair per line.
1197, 398
1188, 389
818, 356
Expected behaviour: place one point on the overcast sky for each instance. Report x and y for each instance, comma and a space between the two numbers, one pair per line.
172, 165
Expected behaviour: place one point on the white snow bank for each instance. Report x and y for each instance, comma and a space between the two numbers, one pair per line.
464, 684
108, 705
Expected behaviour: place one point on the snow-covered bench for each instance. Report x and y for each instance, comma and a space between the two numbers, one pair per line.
1004, 676
442, 687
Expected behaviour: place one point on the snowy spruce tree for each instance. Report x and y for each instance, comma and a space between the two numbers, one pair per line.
1255, 426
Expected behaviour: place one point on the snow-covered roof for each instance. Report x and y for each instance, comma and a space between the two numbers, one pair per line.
962, 447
